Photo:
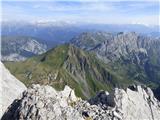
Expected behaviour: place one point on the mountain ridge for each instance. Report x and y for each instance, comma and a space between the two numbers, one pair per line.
67, 65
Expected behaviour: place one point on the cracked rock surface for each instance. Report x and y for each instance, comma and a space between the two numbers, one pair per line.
45, 103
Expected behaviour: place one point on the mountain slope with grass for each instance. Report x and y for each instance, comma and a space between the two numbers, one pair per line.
67, 65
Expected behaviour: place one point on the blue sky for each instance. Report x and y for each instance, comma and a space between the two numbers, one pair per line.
85, 11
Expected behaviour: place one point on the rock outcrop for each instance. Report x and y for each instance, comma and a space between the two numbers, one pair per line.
134, 103
10, 88
45, 103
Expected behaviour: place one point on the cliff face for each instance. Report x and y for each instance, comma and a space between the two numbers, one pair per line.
10, 88
43, 102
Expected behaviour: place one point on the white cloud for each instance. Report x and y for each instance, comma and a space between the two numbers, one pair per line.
84, 0
92, 12
89, 6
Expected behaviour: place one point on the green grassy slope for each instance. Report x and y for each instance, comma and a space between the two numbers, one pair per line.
67, 65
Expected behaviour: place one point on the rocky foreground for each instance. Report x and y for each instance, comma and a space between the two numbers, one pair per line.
45, 103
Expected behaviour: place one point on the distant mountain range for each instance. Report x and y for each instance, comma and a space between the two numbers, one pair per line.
17, 48
54, 33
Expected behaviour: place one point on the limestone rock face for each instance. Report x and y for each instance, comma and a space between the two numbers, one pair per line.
134, 103
139, 104
45, 103
10, 89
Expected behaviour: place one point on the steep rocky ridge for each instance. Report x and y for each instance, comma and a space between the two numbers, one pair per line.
44, 102
10, 88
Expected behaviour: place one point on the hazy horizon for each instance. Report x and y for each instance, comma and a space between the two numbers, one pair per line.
144, 12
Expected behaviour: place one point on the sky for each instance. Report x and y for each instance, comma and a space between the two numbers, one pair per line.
83, 11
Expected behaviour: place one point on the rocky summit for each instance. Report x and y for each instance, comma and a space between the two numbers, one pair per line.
45, 103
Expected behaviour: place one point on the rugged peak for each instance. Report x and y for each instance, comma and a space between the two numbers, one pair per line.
69, 94
61, 50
